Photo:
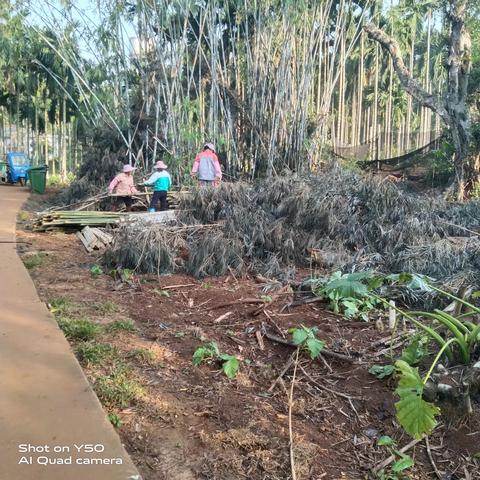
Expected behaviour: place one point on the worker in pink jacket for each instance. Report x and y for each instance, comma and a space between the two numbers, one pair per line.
124, 187
206, 167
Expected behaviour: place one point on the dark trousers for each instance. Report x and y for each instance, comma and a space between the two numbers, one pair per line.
128, 201
160, 196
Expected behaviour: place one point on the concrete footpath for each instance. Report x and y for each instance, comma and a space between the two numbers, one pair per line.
52, 426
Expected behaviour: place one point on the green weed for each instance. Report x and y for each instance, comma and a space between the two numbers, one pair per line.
80, 329
34, 260
117, 389
115, 420
381, 371
348, 293
402, 460
306, 338
106, 307
96, 270
95, 353
126, 325
63, 306
210, 352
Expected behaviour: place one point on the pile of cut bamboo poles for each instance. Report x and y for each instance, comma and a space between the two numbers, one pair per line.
75, 220
94, 238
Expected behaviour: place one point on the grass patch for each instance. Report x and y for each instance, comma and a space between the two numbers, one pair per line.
106, 307
80, 329
142, 355
115, 420
63, 306
34, 260
94, 353
118, 389
126, 325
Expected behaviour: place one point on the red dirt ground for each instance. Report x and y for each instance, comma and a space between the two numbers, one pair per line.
194, 423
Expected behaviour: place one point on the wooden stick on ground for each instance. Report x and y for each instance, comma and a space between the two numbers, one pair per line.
222, 317
237, 302
290, 424
172, 287
322, 387
282, 373
430, 457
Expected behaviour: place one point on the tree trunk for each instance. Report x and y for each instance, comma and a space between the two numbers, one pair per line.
458, 66
453, 107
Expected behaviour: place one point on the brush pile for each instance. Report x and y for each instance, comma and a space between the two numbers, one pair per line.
348, 221
95, 172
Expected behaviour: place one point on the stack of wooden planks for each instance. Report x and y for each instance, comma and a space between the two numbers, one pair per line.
75, 220
94, 238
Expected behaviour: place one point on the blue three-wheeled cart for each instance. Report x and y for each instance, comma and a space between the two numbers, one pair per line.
15, 168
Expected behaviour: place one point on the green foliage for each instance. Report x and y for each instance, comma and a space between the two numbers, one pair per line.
230, 365
381, 371
106, 307
126, 274
59, 181
118, 389
63, 306
439, 165
95, 353
305, 338
466, 335
125, 325
402, 461
416, 351
115, 420
210, 352
348, 293
80, 329
205, 353
413, 281
96, 270
34, 260
415, 415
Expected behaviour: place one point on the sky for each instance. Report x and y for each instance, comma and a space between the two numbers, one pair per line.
84, 12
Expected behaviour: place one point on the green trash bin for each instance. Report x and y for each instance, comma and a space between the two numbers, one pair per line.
3, 171
38, 179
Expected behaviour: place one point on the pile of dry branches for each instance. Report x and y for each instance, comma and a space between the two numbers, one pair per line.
349, 222
97, 169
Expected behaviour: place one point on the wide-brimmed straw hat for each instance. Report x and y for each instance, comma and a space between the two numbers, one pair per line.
160, 164
211, 146
128, 168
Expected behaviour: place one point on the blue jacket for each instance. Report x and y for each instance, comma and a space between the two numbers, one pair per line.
160, 181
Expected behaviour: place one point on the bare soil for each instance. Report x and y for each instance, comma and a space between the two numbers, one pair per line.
195, 423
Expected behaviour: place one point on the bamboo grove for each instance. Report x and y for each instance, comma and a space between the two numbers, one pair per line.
276, 84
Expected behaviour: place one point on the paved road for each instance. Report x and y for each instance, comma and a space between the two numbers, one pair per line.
46, 403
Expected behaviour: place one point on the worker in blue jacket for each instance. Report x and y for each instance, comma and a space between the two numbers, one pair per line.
161, 181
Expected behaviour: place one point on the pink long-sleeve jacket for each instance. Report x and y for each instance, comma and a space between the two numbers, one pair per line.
123, 184
207, 166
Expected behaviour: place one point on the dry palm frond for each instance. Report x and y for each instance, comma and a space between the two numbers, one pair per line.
351, 222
